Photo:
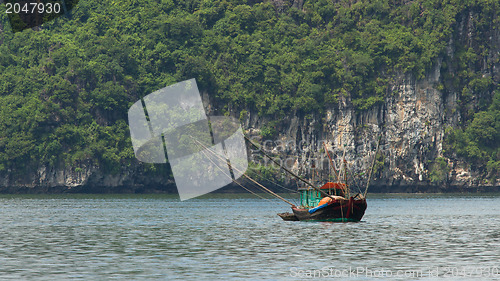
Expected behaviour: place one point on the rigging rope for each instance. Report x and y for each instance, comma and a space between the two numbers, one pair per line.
275, 183
245, 175
290, 172
331, 162
281, 186
232, 178
373, 164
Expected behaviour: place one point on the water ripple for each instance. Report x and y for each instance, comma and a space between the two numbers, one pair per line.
230, 238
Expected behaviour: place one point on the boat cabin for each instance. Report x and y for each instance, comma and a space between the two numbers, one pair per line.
310, 197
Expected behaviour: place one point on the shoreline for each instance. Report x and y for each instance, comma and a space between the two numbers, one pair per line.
234, 189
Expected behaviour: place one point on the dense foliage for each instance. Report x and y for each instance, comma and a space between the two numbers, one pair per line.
469, 73
65, 88
479, 141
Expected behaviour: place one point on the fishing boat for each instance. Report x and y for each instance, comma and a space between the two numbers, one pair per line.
333, 201
334, 208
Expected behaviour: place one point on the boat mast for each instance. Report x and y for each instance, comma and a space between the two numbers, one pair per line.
331, 162
344, 167
313, 167
373, 164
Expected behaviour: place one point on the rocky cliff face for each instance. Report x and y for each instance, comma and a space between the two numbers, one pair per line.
87, 177
412, 122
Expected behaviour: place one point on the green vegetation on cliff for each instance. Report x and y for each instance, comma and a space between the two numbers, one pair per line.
66, 87
479, 141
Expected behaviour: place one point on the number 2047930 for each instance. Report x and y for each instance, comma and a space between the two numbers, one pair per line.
33, 8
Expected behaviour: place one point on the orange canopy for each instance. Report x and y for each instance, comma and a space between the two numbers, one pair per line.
336, 185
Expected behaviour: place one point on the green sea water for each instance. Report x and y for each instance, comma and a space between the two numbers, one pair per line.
240, 237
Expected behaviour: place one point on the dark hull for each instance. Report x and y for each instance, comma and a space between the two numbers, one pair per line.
352, 210
288, 217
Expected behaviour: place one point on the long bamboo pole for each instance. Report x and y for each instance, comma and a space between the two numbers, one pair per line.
331, 162
373, 164
344, 165
229, 176
245, 175
290, 172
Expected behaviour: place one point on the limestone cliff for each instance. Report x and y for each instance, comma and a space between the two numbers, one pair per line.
412, 121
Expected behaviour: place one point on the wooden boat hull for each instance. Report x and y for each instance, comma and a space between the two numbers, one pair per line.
288, 216
351, 210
